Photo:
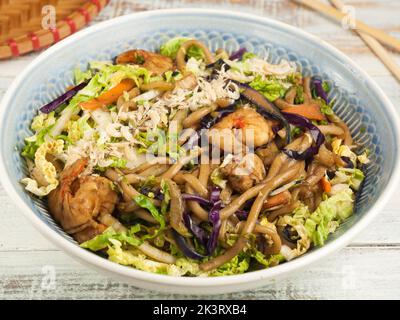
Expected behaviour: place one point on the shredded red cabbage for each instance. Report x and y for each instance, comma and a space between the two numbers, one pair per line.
53, 105
316, 134
316, 84
238, 54
200, 200
187, 250
349, 163
214, 195
215, 220
209, 242
196, 230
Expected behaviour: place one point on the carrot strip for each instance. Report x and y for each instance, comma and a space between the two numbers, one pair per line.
309, 111
326, 185
276, 200
110, 96
91, 105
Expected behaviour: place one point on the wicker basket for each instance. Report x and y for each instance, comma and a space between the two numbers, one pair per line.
21, 29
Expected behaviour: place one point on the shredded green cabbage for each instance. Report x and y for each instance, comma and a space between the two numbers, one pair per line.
166, 199
238, 264
329, 214
271, 88
248, 55
44, 169
274, 259
218, 179
146, 203
352, 177
171, 47
110, 74
81, 76
104, 240
138, 260
77, 128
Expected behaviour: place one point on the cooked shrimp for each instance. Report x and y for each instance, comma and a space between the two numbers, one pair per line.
246, 173
77, 201
245, 126
154, 62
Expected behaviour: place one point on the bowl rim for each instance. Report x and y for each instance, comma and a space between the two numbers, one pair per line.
200, 282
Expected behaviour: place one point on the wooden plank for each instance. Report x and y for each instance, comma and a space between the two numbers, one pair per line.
351, 274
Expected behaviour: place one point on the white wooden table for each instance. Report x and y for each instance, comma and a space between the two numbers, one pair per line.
368, 268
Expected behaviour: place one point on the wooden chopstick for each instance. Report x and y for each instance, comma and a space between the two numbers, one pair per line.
359, 25
375, 46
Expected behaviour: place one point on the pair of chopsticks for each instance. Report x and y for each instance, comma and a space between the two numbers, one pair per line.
371, 36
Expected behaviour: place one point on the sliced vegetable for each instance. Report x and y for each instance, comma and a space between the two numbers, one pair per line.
81, 76
196, 230
171, 48
326, 109
209, 242
272, 260
116, 163
328, 215
238, 54
187, 250
110, 75
109, 97
214, 218
276, 200
326, 185
76, 129
45, 169
164, 196
214, 196
138, 260
184, 50
310, 111
316, 134
349, 163
248, 55
34, 142
318, 85
146, 203
192, 197
218, 179
63, 98
103, 240
353, 177
271, 88
237, 265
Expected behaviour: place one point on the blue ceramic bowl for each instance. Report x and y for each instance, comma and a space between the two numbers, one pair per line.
359, 101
